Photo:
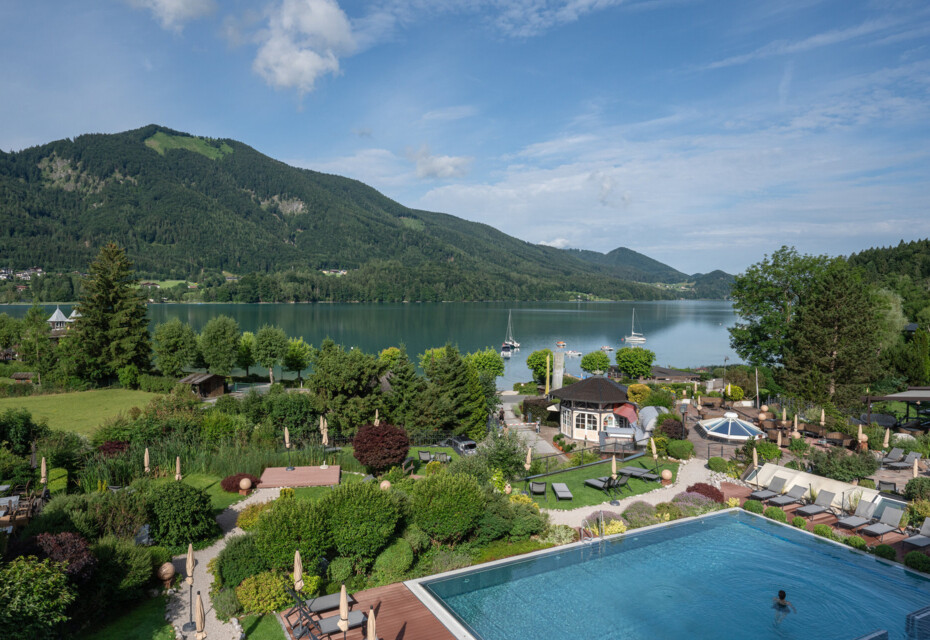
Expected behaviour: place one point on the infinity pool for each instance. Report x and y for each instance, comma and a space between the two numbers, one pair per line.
703, 579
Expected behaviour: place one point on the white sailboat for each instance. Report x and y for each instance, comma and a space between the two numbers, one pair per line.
634, 337
509, 341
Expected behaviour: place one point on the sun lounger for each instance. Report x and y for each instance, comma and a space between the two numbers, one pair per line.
638, 472
822, 504
330, 624
776, 486
537, 488
921, 538
887, 486
860, 518
794, 496
597, 483
561, 491
607, 484
895, 455
890, 521
907, 463
321, 604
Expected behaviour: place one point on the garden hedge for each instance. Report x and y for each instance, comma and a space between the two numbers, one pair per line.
362, 517
447, 506
289, 525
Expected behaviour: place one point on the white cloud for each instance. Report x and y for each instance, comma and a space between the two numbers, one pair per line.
172, 14
430, 166
303, 41
558, 243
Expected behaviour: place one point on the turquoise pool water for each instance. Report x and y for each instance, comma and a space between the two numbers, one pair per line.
712, 578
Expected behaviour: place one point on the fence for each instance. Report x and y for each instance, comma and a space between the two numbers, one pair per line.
625, 452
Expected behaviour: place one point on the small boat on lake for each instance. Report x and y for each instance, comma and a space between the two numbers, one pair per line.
634, 338
506, 350
560, 344
607, 347
572, 353
508, 340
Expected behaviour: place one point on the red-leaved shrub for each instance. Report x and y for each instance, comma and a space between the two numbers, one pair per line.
381, 447
71, 548
707, 491
231, 483
673, 429
113, 447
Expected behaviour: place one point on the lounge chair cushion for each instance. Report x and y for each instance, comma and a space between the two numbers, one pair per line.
561, 491
894, 455
794, 495
330, 624
326, 603
597, 483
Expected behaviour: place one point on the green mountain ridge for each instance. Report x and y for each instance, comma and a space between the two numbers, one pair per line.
184, 207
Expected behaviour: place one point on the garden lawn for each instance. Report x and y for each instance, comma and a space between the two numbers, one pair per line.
219, 499
505, 549
585, 496
317, 493
264, 627
144, 622
81, 411
419, 468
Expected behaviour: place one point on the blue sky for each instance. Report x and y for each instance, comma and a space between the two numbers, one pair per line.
702, 133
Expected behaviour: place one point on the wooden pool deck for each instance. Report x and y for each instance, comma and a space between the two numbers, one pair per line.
398, 613
299, 477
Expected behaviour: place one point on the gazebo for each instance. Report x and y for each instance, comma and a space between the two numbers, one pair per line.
730, 428
916, 397
593, 405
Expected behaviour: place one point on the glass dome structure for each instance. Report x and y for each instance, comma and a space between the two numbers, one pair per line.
730, 428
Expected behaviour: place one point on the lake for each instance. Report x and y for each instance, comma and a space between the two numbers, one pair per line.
682, 333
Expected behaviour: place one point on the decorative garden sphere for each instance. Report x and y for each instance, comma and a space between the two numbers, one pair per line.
795, 435
245, 484
765, 408
385, 485
763, 416
165, 573
667, 475
508, 489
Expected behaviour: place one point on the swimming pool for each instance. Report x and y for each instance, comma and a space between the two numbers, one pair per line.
710, 577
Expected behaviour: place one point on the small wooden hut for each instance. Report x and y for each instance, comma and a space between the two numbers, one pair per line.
206, 385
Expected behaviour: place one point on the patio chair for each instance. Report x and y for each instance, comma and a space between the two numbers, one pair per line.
838, 439
776, 486
330, 624
407, 465
895, 455
887, 486
920, 539
823, 504
425, 456
861, 517
318, 605
561, 491
907, 463
794, 496
537, 488
890, 521
442, 457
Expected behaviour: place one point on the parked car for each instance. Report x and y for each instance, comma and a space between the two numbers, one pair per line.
463, 446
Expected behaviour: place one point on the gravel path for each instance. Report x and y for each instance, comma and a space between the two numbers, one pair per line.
692, 471
177, 611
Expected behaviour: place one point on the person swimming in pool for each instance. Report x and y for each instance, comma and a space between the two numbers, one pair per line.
782, 606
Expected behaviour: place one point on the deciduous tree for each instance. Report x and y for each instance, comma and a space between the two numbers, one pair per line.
219, 344
635, 362
270, 348
536, 362
298, 356
175, 347
35, 343
595, 361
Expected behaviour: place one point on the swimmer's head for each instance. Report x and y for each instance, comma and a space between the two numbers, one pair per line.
781, 595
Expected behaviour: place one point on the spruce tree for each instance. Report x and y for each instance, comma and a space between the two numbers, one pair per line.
112, 329
831, 352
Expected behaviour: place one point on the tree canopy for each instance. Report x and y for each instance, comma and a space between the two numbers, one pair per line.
635, 362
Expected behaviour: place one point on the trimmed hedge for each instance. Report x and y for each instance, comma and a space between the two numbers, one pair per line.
717, 465
240, 559
362, 517
263, 593
290, 525
886, 551
753, 506
799, 522
680, 449
247, 519
824, 531
392, 563
917, 489
776, 514
447, 506
180, 514
917, 560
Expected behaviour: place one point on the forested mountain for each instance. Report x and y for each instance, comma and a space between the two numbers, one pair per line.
632, 265
904, 269
187, 207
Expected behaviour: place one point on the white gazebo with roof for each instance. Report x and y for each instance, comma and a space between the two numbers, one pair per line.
74, 315
730, 428
595, 405
58, 319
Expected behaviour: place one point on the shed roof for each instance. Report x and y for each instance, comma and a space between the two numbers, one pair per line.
198, 378
665, 372
595, 389
913, 394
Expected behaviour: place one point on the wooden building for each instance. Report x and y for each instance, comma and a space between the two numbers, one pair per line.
593, 405
206, 385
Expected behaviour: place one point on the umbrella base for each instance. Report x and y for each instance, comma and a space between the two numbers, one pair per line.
189, 626
289, 468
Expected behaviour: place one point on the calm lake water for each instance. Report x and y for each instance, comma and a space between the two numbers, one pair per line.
682, 333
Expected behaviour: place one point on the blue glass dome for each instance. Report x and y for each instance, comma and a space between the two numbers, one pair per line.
730, 428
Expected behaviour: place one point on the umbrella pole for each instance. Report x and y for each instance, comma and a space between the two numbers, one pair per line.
190, 626
290, 467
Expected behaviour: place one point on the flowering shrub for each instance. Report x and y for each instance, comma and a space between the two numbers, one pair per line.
231, 483
248, 517
638, 393
694, 504
732, 502
640, 514
707, 490
559, 534
669, 511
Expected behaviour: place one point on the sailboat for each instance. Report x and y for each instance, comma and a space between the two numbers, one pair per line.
634, 338
509, 341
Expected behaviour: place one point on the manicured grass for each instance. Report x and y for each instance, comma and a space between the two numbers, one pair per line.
317, 493
81, 411
504, 549
419, 468
264, 627
588, 496
57, 480
144, 622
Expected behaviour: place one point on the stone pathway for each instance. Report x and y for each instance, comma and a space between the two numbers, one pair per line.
177, 612
690, 472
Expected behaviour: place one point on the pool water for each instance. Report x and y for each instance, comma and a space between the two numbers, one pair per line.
713, 577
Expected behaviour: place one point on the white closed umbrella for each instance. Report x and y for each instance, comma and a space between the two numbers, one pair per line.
613, 466
823, 417
755, 458
343, 609
529, 458
177, 468
777, 438
324, 439
145, 460
377, 419
887, 441
372, 630
44, 476
795, 422
287, 438
784, 415
201, 619
298, 572
859, 435
189, 565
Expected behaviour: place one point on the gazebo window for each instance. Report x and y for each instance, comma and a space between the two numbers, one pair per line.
586, 421
566, 421
609, 421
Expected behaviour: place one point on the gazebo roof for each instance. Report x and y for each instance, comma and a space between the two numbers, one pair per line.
913, 394
58, 316
595, 389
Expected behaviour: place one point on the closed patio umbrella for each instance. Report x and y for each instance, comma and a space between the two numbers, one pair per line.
324, 439
201, 618
887, 441
613, 467
823, 417
298, 572
177, 468
372, 631
652, 445
529, 458
189, 567
784, 415
287, 438
755, 458
343, 609
44, 477
145, 460
695, 388
377, 419
778, 438
795, 422
859, 435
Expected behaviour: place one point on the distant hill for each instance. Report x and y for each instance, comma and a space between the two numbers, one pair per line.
904, 269
211, 210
